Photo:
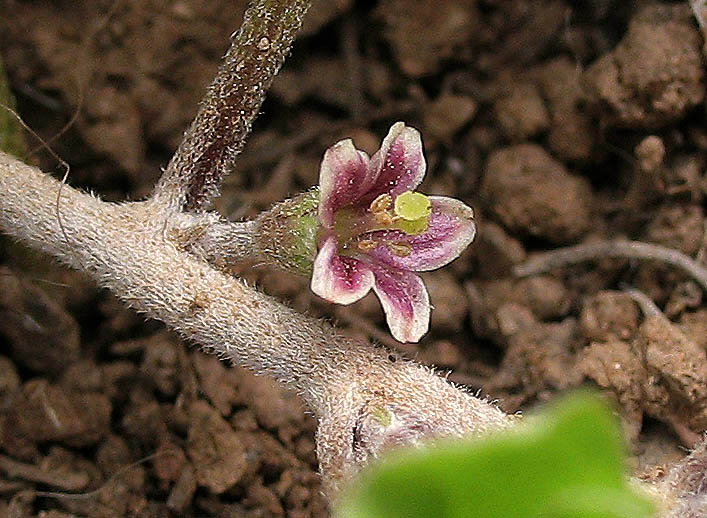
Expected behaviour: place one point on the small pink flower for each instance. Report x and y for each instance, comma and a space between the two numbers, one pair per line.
371, 238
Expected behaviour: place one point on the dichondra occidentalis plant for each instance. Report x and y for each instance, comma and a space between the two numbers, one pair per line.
156, 256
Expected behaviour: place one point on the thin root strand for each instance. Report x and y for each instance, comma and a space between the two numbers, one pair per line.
619, 249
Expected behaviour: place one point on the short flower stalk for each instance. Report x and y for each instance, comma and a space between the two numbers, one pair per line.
366, 228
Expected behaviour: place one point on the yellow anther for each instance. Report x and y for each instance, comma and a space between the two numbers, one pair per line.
381, 203
400, 249
383, 219
366, 245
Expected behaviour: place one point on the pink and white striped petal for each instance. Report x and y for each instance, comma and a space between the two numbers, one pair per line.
450, 229
405, 302
344, 175
340, 279
399, 165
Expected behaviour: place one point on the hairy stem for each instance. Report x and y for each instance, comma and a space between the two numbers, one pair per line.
622, 249
136, 250
217, 134
222, 243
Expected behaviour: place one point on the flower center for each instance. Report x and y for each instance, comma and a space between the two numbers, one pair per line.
408, 214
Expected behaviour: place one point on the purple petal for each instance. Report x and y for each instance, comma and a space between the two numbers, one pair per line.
450, 229
339, 278
344, 175
405, 302
399, 165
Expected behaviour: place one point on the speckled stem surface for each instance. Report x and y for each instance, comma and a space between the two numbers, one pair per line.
137, 251
217, 134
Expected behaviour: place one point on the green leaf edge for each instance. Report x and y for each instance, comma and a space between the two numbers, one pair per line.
591, 433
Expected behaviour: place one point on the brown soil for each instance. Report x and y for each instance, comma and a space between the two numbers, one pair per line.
560, 122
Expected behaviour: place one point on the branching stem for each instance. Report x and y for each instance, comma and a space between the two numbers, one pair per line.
622, 249
137, 250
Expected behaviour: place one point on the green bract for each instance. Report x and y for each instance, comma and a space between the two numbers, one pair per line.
566, 462
305, 228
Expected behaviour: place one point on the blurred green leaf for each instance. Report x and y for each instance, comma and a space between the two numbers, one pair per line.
11, 137
565, 462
